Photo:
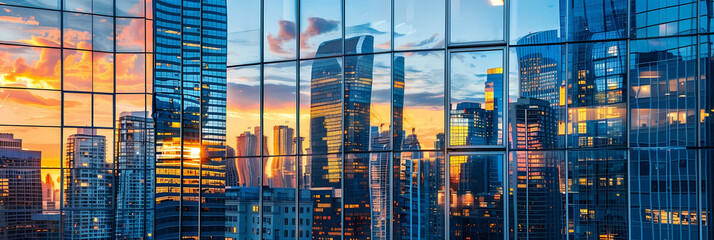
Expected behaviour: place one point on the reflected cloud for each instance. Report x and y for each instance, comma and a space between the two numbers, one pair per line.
365, 28
29, 67
286, 31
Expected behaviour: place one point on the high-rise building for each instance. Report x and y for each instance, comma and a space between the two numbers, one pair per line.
190, 113
134, 177
533, 124
21, 190
283, 140
89, 189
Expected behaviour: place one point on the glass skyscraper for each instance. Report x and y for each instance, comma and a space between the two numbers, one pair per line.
356, 119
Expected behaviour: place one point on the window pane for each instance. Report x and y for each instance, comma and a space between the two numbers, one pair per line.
103, 33
29, 67
243, 198
31, 147
592, 176
706, 169
30, 26
243, 111
87, 148
476, 197
130, 75
663, 98
103, 72
105, 7
150, 9
130, 8
537, 97
31, 107
78, 109
321, 194
130, 35
280, 30
321, 105
663, 191
366, 186
368, 82
663, 18
320, 28
473, 21
77, 33
370, 18
357, 102
706, 94
78, 5
279, 109
77, 70
52, 4
537, 185
537, 21
476, 114
128, 103
596, 104
103, 110
418, 105
243, 32
597, 20
418, 186
419, 24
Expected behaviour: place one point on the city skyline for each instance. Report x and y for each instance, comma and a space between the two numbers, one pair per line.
329, 119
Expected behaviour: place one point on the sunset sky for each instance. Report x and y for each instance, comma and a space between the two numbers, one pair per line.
34, 73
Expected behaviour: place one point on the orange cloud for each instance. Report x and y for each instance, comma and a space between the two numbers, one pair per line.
103, 72
30, 107
78, 70
21, 67
130, 35
77, 39
286, 32
20, 20
130, 75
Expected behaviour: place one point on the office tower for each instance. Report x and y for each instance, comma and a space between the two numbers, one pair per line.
134, 177
189, 110
538, 194
283, 140
398, 101
533, 124
480, 205
493, 99
20, 189
539, 68
379, 183
89, 199
472, 124
247, 143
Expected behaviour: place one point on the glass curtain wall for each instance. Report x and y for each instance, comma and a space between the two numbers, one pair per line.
545, 119
76, 132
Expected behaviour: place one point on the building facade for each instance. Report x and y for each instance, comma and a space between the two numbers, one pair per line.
344, 119
70, 69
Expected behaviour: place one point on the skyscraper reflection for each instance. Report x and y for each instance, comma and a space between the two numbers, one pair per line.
89, 199
22, 194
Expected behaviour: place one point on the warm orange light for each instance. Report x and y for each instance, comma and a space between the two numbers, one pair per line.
195, 153
496, 2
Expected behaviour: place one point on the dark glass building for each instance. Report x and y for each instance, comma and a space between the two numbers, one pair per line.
189, 114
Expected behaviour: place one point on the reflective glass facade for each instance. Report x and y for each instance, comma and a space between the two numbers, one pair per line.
356, 119
76, 136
